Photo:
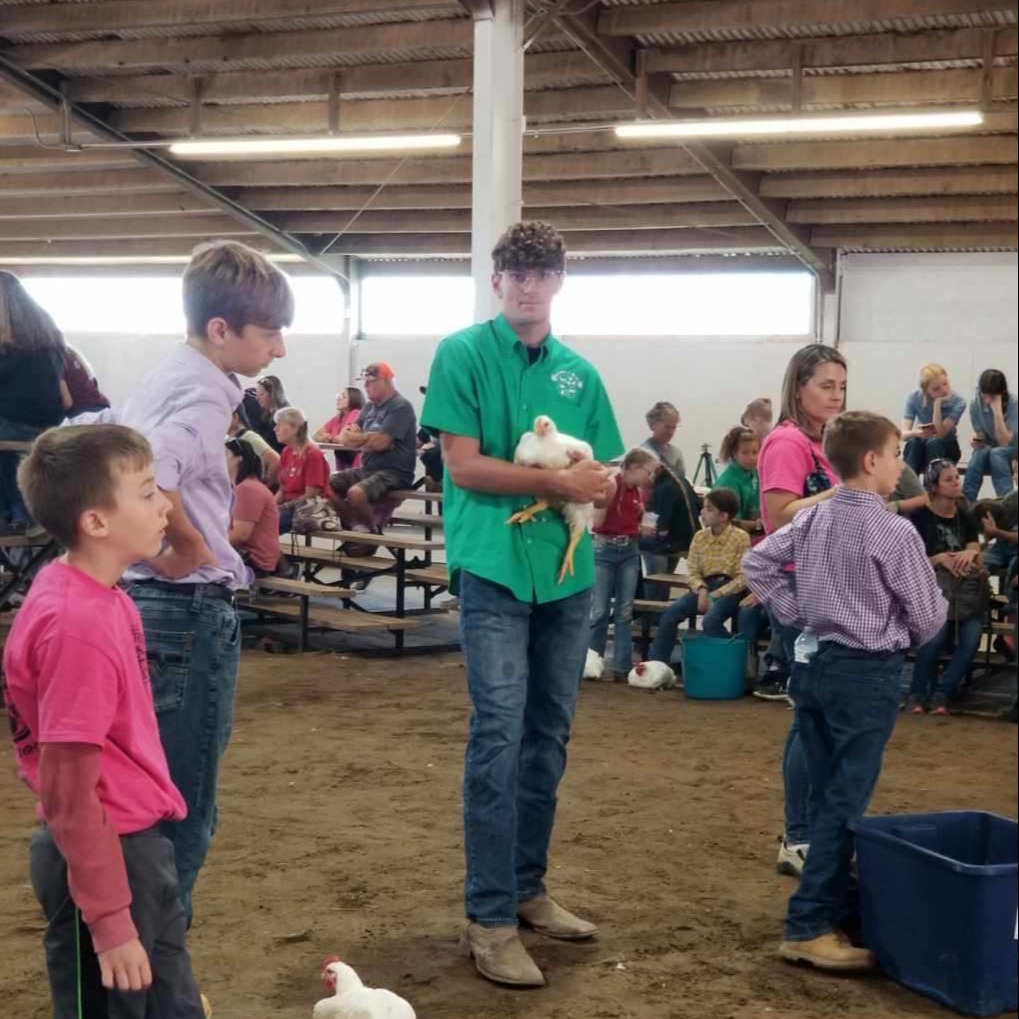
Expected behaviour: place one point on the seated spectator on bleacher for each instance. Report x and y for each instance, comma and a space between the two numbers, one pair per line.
998, 519
304, 473
677, 506
430, 455
718, 590
255, 517
261, 404
386, 436
349, 402
240, 429
758, 417
951, 538
930, 420
909, 494
994, 414
663, 419
79, 387
31, 369
739, 450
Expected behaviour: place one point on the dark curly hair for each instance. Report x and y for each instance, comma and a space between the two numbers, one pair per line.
533, 245
731, 443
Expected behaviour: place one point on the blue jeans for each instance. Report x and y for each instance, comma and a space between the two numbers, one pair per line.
12, 505
847, 702
194, 643
616, 572
684, 609
999, 555
795, 777
918, 451
993, 460
925, 669
524, 663
747, 620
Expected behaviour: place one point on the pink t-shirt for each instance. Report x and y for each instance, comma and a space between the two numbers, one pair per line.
787, 460
254, 503
338, 422
76, 672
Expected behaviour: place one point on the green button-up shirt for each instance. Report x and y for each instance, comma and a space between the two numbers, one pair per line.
484, 386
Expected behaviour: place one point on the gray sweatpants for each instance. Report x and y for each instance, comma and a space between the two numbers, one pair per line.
75, 983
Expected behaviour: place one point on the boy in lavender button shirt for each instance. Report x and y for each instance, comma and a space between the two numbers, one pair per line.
862, 593
237, 304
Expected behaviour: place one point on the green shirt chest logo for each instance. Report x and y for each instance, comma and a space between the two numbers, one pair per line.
568, 383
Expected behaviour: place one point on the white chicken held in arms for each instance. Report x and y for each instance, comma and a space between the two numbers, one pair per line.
352, 1000
548, 448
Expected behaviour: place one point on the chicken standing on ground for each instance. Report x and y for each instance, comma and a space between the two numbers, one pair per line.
350, 999
548, 448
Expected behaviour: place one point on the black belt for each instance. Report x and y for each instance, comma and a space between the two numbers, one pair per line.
217, 591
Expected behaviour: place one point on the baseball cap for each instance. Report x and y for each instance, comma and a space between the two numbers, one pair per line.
378, 370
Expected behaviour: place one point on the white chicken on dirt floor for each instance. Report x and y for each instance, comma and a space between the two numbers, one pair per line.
350, 999
548, 448
652, 676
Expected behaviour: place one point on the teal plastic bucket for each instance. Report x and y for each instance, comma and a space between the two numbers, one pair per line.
714, 668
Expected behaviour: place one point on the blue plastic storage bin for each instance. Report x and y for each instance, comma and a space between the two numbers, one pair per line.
714, 668
938, 896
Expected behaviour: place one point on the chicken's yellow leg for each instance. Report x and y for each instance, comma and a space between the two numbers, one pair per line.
567, 566
526, 516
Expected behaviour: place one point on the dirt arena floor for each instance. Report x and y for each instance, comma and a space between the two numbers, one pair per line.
340, 833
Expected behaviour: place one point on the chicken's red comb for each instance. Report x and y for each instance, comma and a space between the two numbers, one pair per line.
329, 960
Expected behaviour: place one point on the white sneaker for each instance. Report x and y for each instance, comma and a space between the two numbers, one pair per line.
791, 858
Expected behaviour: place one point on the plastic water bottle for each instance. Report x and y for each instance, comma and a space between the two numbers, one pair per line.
805, 647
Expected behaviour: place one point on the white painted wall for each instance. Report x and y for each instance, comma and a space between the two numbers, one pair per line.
896, 313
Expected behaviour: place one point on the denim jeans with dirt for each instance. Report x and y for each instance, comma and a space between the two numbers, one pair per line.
847, 702
616, 573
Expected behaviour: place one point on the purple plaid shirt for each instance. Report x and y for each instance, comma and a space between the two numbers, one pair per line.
862, 577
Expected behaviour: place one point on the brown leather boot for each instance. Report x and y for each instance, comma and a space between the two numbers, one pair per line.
547, 917
499, 955
830, 951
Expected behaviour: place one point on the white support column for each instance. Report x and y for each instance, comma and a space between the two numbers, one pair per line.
496, 198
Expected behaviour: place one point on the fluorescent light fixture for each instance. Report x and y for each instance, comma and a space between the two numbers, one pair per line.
837, 124
255, 146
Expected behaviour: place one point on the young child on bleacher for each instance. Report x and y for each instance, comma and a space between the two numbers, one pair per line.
863, 591
718, 590
739, 450
85, 735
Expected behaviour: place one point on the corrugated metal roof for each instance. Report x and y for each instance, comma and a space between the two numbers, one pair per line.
858, 249
991, 19
442, 10
828, 72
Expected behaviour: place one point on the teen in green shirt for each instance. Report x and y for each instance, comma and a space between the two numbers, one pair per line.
524, 633
740, 448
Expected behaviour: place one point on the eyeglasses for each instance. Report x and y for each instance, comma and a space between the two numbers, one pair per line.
537, 277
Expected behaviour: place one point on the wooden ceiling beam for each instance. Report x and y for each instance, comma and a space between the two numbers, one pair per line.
891, 89
120, 15
922, 236
221, 52
131, 203
540, 71
84, 182
139, 248
423, 221
635, 191
836, 51
867, 154
117, 227
751, 16
976, 209
958, 180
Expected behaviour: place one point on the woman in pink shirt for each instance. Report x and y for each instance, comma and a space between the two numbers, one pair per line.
255, 517
794, 473
304, 473
349, 402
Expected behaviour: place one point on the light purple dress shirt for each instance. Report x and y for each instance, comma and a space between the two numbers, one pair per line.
183, 408
862, 576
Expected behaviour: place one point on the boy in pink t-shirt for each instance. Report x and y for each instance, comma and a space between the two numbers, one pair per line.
85, 736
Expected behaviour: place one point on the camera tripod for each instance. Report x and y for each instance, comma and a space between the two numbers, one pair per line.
706, 462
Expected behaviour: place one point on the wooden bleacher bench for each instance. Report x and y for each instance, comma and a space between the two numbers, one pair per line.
330, 557
649, 607
301, 587
417, 495
437, 574
426, 520
390, 541
672, 579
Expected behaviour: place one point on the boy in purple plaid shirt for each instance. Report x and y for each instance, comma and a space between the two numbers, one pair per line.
862, 593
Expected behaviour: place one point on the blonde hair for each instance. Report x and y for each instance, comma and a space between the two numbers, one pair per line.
930, 372
293, 416
637, 458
